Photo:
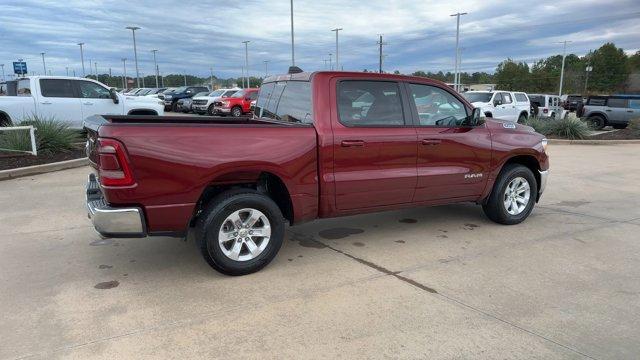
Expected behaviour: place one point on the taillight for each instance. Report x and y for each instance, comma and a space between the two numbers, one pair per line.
113, 165
545, 110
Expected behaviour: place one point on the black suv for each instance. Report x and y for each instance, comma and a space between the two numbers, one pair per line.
171, 100
573, 102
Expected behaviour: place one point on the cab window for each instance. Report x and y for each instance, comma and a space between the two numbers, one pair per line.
369, 103
506, 98
437, 107
89, 90
24, 88
59, 88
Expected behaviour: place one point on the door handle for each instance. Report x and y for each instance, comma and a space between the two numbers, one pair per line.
87, 103
629, 111
431, 141
45, 103
607, 110
349, 143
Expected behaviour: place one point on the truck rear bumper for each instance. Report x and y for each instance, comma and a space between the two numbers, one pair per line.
110, 221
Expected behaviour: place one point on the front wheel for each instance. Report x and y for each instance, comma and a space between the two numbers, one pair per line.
211, 110
236, 111
596, 122
240, 232
513, 195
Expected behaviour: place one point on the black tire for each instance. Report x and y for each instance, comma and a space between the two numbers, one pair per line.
522, 119
495, 208
174, 107
5, 120
211, 110
596, 122
553, 116
236, 111
619, 126
213, 217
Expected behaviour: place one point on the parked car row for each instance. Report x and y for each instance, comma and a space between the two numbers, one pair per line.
614, 110
235, 102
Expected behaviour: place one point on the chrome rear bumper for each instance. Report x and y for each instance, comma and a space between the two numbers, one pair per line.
109, 221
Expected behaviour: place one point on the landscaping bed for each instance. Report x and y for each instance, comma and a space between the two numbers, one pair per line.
623, 134
13, 160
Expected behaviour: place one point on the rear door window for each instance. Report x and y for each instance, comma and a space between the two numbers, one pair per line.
521, 97
634, 103
617, 103
285, 101
370, 103
59, 88
597, 101
24, 88
437, 107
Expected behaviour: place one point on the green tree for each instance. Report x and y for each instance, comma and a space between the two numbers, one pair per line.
511, 75
610, 70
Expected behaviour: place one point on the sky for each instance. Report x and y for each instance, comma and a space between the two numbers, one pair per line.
195, 36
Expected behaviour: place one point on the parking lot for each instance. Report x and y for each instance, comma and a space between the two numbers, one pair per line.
439, 282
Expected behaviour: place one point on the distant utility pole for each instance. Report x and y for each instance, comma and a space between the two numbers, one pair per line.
564, 55
44, 66
82, 58
242, 73
211, 78
155, 64
293, 57
337, 48
330, 65
380, 42
110, 72
456, 76
325, 63
246, 59
96, 64
74, 72
588, 69
135, 51
67, 69
124, 73
185, 78
2, 66
266, 68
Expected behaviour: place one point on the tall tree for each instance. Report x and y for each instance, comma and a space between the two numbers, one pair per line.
610, 70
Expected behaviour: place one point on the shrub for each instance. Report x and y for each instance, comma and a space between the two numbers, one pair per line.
634, 126
52, 136
539, 125
570, 128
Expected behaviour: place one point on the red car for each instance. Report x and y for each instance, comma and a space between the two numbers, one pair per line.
237, 104
321, 145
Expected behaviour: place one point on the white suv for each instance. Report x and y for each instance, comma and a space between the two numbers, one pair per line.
204, 104
503, 105
547, 106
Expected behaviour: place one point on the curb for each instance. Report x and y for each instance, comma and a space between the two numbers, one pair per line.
592, 142
41, 169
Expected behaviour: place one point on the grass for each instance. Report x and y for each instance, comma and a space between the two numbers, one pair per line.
571, 127
634, 126
52, 136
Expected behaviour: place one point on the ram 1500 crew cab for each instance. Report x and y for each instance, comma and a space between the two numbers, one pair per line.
320, 145
70, 100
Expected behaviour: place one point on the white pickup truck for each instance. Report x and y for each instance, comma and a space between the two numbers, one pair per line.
503, 105
71, 100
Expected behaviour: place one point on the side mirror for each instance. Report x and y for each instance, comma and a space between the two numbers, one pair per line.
114, 95
476, 117
497, 102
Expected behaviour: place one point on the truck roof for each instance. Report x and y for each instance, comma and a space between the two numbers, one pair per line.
307, 76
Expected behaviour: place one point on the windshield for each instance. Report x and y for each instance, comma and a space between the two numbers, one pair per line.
538, 99
181, 89
168, 91
202, 94
477, 97
239, 94
216, 93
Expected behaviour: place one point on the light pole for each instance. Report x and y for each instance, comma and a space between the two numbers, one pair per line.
266, 68
135, 51
330, 65
293, 57
211, 68
564, 55
456, 77
82, 58
246, 59
588, 69
96, 64
155, 64
44, 65
2, 66
380, 43
325, 63
185, 78
124, 74
67, 69
337, 51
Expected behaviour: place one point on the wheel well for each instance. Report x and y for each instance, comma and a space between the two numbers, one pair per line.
142, 112
488, 114
5, 120
525, 114
600, 115
528, 161
265, 182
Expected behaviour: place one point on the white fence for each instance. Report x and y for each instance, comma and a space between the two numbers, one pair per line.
32, 130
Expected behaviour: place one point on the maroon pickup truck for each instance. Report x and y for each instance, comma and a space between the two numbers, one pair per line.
320, 145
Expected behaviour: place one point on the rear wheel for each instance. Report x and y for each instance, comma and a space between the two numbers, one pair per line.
522, 119
210, 110
236, 111
174, 107
240, 232
513, 195
596, 122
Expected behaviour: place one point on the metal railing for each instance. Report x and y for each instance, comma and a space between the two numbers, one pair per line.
32, 135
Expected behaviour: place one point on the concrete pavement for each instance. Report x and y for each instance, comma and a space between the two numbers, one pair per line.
438, 283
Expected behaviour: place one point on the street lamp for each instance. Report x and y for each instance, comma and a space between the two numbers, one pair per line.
2, 66
456, 76
135, 51
337, 51
44, 66
330, 64
588, 69
266, 69
82, 58
564, 56
293, 58
124, 74
155, 64
246, 60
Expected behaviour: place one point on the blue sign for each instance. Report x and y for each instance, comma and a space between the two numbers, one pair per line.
20, 67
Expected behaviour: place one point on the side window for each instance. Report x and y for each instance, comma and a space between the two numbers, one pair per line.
597, 101
521, 97
89, 90
497, 98
437, 107
253, 95
369, 103
506, 98
295, 102
56, 88
263, 97
617, 103
24, 88
634, 103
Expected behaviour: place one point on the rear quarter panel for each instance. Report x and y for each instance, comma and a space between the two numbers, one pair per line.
173, 164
